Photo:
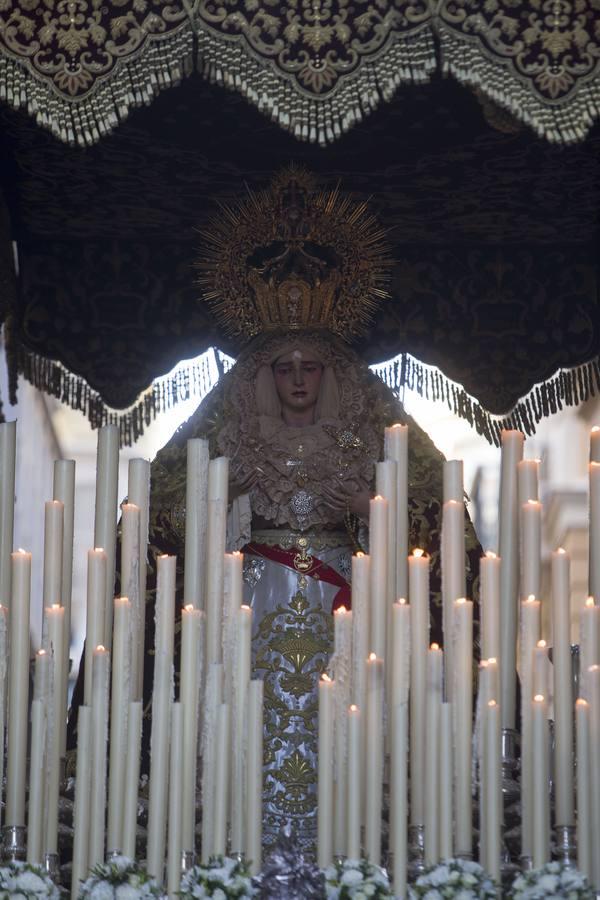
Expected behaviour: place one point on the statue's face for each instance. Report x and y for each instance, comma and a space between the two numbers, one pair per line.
297, 379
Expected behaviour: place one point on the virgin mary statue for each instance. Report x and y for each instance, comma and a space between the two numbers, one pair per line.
294, 273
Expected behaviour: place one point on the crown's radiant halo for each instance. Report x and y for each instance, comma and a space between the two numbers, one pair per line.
294, 256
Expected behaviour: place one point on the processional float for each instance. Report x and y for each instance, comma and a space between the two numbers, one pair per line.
401, 738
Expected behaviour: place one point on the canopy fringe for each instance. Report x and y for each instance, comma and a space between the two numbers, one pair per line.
194, 379
568, 387
317, 119
162, 63
191, 379
563, 122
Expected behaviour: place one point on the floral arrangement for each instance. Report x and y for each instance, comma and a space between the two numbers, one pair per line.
120, 879
356, 879
552, 880
454, 879
221, 878
22, 880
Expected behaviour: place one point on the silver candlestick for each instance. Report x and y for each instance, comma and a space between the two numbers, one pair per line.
416, 851
565, 845
13, 843
188, 860
52, 867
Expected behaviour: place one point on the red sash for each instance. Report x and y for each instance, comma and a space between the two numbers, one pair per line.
311, 567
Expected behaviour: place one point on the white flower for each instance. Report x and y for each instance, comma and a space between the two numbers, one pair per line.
31, 883
121, 862
439, 875
369, 889
351, 876
102, 891
219, 894
127, 892
464, 895
432, 895
220, 874
548, 884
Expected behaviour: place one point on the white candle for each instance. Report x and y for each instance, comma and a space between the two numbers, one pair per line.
593, 682
132, 778
353, 850
530, 635
53, 552
563, 689
492, 788
254, 762
196, 500
453, 579
432, 753
81, 810
100, 685
541, 772
584, 819
213, 699
119, 709
595, 444
398, 799
18, 687
374, 776
35, 803
175, 801
531, 548
528, 480
130, 588
95, 618
191, 669
360, 626
64, 490
589, 641
341, 668
453, 481
490, 605
138, 494
463, 709
378, 522
386, 476
162, 696
325, 774
3, 682
55, 628
418, 573
396, 448
105, 516
541, 673
221, 781
243, 621
8, 439
400, 653
446, 823
594, 518
508, 548
218, 472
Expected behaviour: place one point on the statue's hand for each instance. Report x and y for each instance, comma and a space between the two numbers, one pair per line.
344, 498
243, 484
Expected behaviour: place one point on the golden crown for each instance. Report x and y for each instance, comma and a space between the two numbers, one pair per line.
294, 256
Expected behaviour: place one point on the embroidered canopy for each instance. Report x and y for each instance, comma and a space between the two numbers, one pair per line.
79, 66
489, 192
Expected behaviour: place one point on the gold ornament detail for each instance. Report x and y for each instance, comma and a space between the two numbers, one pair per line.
294, 256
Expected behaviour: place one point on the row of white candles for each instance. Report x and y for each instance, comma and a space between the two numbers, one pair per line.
377, 580
429, 699
223, 698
